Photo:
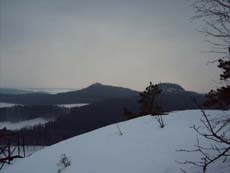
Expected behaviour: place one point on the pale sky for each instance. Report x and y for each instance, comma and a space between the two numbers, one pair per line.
74, 43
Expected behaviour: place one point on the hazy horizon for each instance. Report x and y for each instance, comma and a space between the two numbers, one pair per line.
127, 43
55, 90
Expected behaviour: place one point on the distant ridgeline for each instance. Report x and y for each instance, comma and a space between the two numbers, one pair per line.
173, 96
13, 91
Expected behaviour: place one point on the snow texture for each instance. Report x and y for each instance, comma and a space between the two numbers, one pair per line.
143, 147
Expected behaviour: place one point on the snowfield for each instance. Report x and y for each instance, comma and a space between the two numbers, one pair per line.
143, 147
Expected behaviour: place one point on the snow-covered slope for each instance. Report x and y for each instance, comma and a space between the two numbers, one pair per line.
143, 148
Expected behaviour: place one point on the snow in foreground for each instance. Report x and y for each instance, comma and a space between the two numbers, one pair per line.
23, 124
143, 148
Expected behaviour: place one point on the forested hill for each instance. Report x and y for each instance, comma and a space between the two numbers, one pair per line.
93, 93
173, 97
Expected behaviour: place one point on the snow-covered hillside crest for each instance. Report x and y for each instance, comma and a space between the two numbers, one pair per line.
143, 147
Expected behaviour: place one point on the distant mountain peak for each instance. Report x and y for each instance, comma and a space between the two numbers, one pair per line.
96, 84
171, 87
98, 90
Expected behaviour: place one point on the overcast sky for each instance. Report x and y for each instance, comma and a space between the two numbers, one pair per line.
74, 43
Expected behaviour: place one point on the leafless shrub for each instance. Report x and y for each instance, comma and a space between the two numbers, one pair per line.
215, 130
63, 163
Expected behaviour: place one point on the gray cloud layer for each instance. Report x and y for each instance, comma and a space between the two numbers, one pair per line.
72, 43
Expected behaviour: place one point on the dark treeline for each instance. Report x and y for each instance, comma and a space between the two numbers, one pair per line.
81, 120
78, 121
22, 113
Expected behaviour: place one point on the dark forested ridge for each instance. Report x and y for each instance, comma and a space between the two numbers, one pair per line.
106, 107
173, 97
79, 120
98, 92
22, 113
94, 93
